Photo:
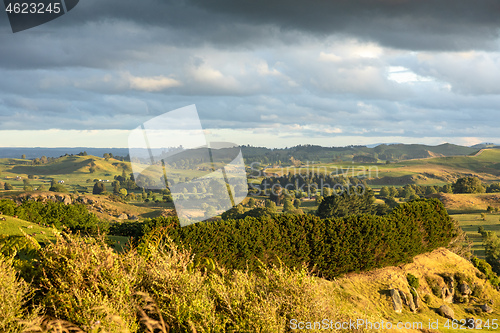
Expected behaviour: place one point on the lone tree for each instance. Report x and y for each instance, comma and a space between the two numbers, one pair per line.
288, 205
355, 201
276, 195
385, 192
99, 187
468, 185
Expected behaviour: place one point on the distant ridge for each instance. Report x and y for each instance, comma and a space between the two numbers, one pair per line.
7, 152
380, 152
485, 145
384, 143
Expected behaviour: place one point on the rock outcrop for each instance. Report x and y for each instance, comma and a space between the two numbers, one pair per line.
396, 300
446, 311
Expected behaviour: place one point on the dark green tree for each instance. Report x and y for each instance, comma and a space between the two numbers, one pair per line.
468, 185
296, 203
116, 187
276, 195
355, 201
233, 213
493, 188
447, 188
99, 188
288, 205
393, 190
271, 206
384, 192
251, 202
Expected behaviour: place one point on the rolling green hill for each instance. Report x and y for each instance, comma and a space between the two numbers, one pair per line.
15, 227
425, 171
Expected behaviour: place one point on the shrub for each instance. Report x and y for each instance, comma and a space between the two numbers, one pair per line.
486, 269
13, 292
433, 283
461, 278
413, 281
477, 291
332, 246
83, 281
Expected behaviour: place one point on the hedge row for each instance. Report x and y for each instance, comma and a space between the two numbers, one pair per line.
331, 246
76, 216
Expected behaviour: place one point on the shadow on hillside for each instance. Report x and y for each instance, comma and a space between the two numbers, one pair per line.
385, 292
67, 167
465, 211
151, 215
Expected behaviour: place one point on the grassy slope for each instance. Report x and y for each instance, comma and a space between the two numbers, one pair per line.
366, 295
438, 170
73, 170
13, 226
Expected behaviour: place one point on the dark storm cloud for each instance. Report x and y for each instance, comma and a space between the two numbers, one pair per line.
312, 67
422, 24
415, 25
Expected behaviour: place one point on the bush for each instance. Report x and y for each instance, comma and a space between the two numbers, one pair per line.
83, 281
75, 216
332, 246
13, 292
58, 188
433, 283
486, 269
413, 281
99, 188
461, 278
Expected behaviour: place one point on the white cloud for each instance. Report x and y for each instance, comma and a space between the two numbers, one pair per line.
152, 84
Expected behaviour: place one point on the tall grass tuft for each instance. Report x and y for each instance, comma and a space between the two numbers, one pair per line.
83, 281
12, 296
82, 285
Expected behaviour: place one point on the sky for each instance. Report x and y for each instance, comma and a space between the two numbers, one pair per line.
271, 73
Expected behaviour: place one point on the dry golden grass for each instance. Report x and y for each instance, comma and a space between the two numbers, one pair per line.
81, 285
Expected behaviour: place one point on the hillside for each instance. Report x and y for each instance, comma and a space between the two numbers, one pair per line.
422, 171
380, 152
102, 206
13, 226
65, 165
367, 296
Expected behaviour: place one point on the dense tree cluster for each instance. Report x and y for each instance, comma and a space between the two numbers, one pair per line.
355, 201
461, 185
76, 217
333, 246
309, 183
468, 185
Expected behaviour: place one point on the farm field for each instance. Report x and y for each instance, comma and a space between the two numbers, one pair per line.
426, 171
470, 223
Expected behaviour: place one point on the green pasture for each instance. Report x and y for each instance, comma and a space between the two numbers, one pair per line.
470, 222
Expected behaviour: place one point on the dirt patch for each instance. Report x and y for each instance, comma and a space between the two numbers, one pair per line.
470, 201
